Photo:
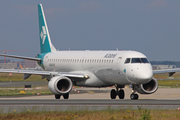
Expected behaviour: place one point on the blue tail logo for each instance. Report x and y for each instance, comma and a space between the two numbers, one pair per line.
43, 34
45, 40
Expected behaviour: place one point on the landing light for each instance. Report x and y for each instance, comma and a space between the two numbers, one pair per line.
86, 76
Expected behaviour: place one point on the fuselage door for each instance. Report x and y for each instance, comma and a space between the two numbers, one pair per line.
119, 62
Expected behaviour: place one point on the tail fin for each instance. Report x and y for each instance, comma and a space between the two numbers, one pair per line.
45, 40
20, 66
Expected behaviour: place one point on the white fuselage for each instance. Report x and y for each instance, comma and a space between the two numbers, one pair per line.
103, 67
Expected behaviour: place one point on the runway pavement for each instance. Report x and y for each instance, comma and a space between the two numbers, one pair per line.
103, 102
94, 99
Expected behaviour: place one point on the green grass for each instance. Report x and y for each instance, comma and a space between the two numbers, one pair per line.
16, 92
109, 114
5, 77
169, 83
165, 76
166, 82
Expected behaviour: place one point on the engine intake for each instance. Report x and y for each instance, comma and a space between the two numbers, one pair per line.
148, 88
60, 85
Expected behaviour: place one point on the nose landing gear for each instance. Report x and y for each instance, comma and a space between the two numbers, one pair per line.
134, 96
116, 92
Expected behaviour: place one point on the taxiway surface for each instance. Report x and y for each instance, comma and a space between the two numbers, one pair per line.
93, 99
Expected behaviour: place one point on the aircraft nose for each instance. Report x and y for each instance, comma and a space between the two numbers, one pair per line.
141, 75
144, 75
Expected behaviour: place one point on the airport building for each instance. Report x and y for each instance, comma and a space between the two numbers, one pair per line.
28, 64
156, 67
8, 65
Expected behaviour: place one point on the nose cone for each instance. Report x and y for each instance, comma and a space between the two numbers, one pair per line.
144, 75
141, 74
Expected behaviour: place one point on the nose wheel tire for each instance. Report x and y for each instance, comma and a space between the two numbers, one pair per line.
57, 96
121, 94
134, 96
113, 94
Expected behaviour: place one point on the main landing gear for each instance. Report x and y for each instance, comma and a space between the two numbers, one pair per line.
121, 93
118, 92
66, 96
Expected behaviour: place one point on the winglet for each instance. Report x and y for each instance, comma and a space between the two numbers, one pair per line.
45, 40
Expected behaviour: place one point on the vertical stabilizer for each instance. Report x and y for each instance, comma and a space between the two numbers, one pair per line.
45, 40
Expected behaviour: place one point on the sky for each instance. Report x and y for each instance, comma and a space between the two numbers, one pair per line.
151, 27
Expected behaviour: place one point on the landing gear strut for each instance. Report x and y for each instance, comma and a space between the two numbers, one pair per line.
118, 92
65, 96
134, 96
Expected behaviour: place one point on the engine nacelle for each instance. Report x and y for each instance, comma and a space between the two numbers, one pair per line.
60, 85
147, 88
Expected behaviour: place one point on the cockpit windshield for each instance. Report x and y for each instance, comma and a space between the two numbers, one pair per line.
144, 60
136, 60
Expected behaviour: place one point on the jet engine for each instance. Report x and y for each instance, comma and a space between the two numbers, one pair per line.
147, 88
60, 85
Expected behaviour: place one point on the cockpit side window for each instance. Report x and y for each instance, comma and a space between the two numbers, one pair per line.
127, 60
136, 60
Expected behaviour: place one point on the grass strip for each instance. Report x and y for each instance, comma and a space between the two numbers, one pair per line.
16, 92
6, 77
123, 114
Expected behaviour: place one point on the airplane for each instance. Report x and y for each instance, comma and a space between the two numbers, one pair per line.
36, 68
63, 69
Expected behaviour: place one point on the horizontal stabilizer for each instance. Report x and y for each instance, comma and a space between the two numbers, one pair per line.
21, 57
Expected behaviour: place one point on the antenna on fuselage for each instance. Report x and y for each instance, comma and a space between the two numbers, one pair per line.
117, 49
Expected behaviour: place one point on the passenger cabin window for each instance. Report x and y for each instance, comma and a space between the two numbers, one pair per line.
127, 60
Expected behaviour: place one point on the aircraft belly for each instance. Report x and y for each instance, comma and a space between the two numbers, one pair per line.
93, 81
111, 76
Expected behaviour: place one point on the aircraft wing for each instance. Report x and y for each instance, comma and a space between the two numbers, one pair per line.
170, 71
21, 57
44, 73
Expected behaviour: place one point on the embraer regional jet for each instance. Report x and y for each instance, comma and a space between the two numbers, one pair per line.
63, 69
